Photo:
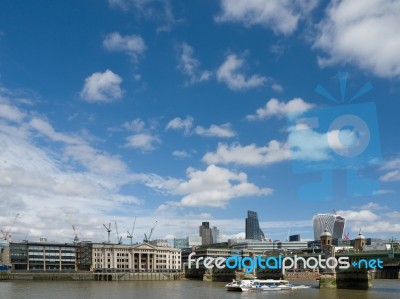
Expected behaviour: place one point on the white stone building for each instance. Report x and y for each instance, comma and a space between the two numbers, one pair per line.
137, 258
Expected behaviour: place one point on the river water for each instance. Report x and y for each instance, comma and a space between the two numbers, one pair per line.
382, 289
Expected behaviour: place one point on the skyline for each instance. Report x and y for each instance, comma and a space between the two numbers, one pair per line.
183, 114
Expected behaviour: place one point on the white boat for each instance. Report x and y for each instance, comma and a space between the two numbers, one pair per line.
269, 285
247, 285
239, 285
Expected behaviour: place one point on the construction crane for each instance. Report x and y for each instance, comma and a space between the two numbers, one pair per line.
130, 234
347, 236
6, 234
76, 239
147, 239
119, 239
108, 231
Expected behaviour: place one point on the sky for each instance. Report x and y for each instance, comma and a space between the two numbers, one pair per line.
179, 112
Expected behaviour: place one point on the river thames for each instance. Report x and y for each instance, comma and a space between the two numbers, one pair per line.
382, 289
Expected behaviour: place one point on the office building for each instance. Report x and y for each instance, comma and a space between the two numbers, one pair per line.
205, 233
253, 230
181, 243
294, 238
194, 241
216, 238
333, 223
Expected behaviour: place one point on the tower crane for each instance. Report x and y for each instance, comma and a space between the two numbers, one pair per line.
119, 239
76, 239
6, 234
108, 229
147, 239
130, 234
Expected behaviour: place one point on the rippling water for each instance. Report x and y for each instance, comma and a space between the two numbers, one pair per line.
382, 289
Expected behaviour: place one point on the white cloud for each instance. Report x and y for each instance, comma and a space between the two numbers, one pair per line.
145, 137
143, 141
364, 33
393, 171
213, 187
45, 128
156, 10
10, 112
181, 154
277, 87
224, 131
136, 125
280, 109
373, 206
181, 124
132, 45
230, 74
102, 87
307, 144
358, 216
189, 65
252, 155
96, 161
383, 192
281, 16
43, 188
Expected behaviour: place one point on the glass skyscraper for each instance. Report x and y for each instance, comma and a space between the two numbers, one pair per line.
253, 230
334, 223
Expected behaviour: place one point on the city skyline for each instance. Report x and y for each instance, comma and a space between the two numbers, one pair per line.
188, 113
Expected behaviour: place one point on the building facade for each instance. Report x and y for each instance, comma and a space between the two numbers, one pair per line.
335, 224
205, 232
253, 230
138, 258
43, 256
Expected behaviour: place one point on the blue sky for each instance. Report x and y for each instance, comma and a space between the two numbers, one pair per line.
182, 113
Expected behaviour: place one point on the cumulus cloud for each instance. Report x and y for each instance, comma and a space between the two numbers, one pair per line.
224, 131
281, 16
280, 109
189, 65
102, 87
364, 33
252, 155
231, 73
181, 154
143, 141
46, 183
181, 124
136, 125
145, 137
213, 187
132, 45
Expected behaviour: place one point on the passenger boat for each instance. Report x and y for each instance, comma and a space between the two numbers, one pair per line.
247, 285
268, 285
238, 285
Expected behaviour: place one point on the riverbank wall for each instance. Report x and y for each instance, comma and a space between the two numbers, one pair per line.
89, 276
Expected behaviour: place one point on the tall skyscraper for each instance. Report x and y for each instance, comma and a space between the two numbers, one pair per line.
253, 230
334, 223
215, 235
205, 233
